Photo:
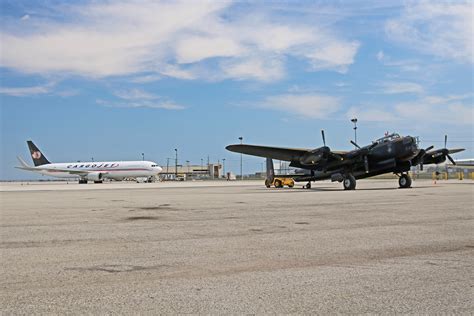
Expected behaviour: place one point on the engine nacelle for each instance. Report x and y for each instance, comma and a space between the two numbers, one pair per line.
436, 159
95, 176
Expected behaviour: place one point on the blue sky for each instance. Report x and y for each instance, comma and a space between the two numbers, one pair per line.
113, 79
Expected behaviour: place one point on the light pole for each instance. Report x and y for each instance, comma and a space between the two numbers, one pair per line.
187, 166
143, 156
176, 164
223, 166
354, 120
241, 173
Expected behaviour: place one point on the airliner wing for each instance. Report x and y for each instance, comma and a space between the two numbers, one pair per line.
81, 173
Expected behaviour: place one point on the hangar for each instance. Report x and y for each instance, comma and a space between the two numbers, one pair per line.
192, 172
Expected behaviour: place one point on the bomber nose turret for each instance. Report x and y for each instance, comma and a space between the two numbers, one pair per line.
411, 146
414, 143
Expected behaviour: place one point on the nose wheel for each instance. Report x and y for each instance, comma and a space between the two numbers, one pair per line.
404, 181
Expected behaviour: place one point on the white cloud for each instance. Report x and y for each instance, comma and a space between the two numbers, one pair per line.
156, 104
175, 39
453, 110
409, 65
134, 94
450, 113
254, 68
380, 56
138, 98
25, 91
197, 48
440, 29
309, 105
145, 78
25, 17
333, 55
177, 72
401, 87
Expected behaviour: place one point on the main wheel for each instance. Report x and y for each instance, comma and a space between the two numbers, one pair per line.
404, 181
349, 182
308, 185
268, 183
82, 181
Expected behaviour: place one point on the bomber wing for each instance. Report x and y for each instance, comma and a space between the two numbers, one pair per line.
280, 153
317, 158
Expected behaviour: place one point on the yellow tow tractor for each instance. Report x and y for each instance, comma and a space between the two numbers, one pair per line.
277, 181
280, 182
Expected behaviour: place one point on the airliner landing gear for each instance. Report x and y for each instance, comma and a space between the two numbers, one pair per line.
404, 181
100, 181
308, 185
82, 181
349, 182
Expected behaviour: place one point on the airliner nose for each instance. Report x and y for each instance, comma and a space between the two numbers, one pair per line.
159, 169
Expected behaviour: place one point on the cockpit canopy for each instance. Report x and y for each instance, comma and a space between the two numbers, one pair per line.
387, 138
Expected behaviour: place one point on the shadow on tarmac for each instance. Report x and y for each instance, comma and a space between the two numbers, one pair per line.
332, 189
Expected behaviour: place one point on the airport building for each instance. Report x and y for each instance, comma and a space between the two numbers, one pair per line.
190, 172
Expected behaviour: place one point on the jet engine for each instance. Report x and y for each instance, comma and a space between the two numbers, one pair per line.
95, 176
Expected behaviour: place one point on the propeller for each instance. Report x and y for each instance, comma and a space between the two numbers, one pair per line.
422, 154
353, 143
447, 150
324, 138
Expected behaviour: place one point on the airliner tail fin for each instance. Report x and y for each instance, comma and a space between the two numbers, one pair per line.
36, 154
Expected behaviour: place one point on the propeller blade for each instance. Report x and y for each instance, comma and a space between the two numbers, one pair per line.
324, 138
366, 164
445, 140
429, 148
451, 159
455, 150
353, 143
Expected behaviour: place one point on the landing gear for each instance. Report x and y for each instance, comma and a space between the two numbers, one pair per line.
308, 185
82, 181
349, 182
268, 183
404, 181
100, 181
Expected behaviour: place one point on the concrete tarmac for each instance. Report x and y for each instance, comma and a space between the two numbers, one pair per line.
217, 247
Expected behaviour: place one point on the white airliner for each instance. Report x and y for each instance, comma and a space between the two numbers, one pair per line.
89, 171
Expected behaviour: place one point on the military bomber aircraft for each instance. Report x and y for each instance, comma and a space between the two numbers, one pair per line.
389, 154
